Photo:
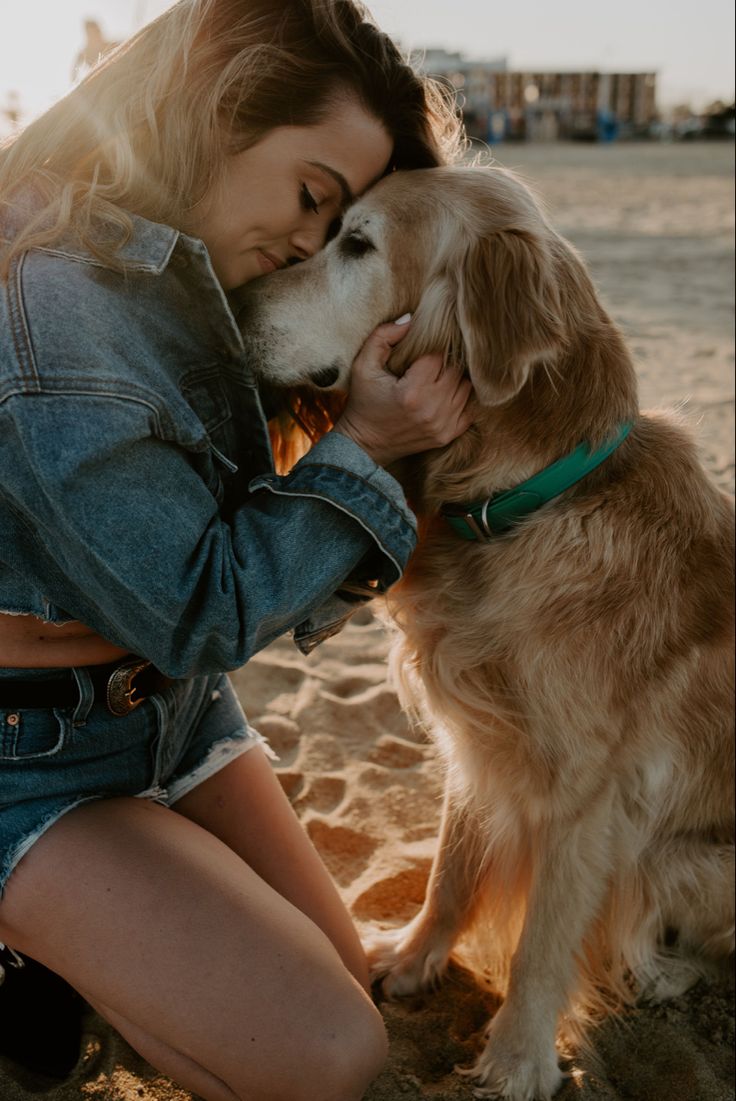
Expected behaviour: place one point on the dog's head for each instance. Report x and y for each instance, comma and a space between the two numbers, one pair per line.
466, 251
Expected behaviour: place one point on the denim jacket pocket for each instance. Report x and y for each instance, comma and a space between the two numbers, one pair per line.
33, 732
205, 393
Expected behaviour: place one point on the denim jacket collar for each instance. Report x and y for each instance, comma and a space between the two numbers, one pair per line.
148, 249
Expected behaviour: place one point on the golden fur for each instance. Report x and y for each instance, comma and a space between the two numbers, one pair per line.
576, 674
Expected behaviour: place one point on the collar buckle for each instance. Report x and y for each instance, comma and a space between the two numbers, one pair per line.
479, 527
513, 505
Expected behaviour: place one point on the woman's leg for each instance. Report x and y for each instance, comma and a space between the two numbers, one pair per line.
209, 972
244, 805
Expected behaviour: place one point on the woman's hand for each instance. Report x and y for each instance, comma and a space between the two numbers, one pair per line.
393, 417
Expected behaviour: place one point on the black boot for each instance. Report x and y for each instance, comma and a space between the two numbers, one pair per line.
40, 1016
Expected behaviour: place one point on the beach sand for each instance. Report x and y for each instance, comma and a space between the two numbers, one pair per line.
655, 223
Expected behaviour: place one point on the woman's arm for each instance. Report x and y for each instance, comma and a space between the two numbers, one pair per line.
114, 525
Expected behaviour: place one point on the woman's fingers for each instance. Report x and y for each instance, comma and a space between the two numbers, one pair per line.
436, 384
390, 417
375, 352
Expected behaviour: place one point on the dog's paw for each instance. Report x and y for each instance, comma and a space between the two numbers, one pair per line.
669, 977
512, 1069
404, 960
515, 1078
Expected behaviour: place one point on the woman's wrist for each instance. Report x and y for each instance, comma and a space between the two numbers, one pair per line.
380, 454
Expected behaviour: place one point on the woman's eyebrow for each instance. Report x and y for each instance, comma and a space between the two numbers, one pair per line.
347, 195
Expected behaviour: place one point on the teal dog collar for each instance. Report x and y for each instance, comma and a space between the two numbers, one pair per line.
498, 514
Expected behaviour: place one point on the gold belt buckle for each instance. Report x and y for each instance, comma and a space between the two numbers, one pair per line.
121, 698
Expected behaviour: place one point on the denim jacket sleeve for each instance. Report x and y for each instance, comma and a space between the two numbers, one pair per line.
338, 471
137, 491
115, 525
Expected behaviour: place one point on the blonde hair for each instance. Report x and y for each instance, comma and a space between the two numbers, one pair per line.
148, 130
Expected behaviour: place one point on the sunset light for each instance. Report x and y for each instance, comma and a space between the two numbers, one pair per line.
41, 38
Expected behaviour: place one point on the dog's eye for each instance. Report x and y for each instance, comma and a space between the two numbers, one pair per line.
355, 245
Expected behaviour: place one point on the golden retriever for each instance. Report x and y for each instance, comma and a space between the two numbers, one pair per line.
576, 670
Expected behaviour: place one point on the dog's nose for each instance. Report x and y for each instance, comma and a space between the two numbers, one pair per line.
326, 377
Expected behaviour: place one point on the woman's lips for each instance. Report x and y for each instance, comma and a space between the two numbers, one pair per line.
267, 262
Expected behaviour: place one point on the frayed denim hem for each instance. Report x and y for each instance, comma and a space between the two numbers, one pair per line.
26, 843
218, 756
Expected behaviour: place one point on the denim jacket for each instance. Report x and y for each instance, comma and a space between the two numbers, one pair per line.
137, 487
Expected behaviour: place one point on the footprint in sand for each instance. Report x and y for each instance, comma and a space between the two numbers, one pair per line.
395, 897
283, 736
377, 704
321, 752
362, 685
291, 783
346, 852
265, 681
324, 794
392, 753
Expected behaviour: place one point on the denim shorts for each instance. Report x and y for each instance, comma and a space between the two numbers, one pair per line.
54, 759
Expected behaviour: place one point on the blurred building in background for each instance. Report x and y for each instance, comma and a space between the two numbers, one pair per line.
502, 104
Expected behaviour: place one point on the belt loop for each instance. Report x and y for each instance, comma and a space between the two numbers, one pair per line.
86, 695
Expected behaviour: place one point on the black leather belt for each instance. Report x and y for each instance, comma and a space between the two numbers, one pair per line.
120, 685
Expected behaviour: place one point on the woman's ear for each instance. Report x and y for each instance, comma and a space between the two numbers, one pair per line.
508, 310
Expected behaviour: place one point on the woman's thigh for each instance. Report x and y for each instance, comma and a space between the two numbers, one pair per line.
244, 805
157, 919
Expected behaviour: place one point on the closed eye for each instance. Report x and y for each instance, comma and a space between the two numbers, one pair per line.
308, 200
354, 245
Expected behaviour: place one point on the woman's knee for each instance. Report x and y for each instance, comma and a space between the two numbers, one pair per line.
357, 1059
343, 1055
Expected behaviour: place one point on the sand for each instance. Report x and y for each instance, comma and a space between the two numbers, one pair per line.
655, 223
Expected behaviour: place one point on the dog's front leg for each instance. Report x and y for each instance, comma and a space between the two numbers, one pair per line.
416, 955
571, 869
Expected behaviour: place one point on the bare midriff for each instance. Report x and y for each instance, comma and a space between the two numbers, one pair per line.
29, 643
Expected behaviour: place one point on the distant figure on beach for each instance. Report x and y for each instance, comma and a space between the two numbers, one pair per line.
95, 46
11, 112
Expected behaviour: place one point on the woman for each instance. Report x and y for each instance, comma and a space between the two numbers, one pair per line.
148, 854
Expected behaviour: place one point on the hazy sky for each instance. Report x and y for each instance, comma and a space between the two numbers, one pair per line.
690, 43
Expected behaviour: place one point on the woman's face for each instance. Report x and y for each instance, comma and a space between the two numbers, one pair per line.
276, 201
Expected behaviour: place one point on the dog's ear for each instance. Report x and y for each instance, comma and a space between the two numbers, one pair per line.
433, 325
508, 311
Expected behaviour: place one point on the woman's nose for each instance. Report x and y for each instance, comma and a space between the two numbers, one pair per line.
308, 238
